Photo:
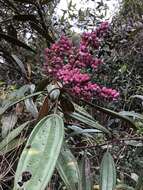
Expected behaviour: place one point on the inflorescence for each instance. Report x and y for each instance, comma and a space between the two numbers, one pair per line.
73, 66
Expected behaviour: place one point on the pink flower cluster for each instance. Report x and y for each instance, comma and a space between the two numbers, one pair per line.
75, 66
93, 38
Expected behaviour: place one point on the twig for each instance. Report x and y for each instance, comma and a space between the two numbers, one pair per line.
109, 142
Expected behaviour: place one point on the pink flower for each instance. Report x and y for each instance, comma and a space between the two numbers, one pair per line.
74, 66
96, 63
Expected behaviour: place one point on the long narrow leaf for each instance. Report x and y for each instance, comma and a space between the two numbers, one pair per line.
15, 41
44, 109
42, 85
40, 154
124, 187
26, 1
31, 107
68, 169
90, 122
138, 96
116, 114
15, 143
24, 17
20, 64
12, 135
110, 112
139, 185
86, 173
107, 173
132, 114
8, 122
9, 104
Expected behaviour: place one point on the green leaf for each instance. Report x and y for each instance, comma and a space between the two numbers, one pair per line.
123, 69
12, 135
134, 143
25, 17
107, 173
66, 104
13, 102
26, 1
15, 95
20, 64
40, 154
15, 143
41, 31
76, 39
116, 114
8, 122
42, 85
111, 113
82, 111
86, 120
43, 2
53, 91
68, 169
139, 185
44, 109
31, 107
132, 114
138, 96
80, 131
19, 92
86, 173
15, 41
124, 187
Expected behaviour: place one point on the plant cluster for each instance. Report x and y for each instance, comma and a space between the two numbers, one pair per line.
76, 66
53, 131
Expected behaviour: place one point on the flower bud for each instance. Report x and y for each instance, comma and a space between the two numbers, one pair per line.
54, 90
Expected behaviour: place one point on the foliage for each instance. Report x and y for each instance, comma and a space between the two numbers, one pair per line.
24, 27
75, 143
80, 18
46, 137
123, 53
